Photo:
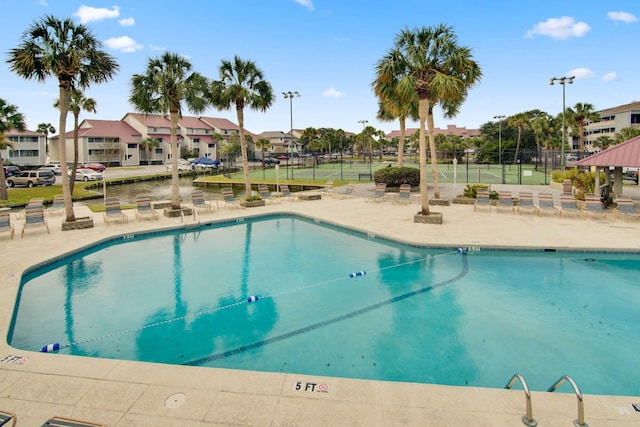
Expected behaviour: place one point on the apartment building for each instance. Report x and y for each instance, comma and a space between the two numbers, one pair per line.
611, 121
29, 148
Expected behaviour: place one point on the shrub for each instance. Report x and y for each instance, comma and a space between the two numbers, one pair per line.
472, 191
394, 176
584, 181
252, 198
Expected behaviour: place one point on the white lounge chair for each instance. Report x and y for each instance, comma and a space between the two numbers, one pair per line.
145, 208
5, 222
34, 218
483, 199
112, 211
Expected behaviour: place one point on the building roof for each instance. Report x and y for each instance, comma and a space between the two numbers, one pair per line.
626, 154
105, 128
151, 120
450, 130
26, 132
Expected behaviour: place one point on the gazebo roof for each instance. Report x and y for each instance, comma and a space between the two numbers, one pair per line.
626, 154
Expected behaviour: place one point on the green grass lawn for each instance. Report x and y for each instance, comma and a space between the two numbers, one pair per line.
22, 195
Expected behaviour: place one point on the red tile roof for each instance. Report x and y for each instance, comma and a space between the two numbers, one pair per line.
450, 130
106, 128
152, 120
626, 154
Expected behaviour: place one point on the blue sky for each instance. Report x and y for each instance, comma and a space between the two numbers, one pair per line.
327, 51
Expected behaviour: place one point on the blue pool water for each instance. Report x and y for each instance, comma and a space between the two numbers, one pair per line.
417, 315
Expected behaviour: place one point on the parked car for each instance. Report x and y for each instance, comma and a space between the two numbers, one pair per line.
11, 171
271, 161
32, 178
98, 167
631, 174
54, 167
87, 175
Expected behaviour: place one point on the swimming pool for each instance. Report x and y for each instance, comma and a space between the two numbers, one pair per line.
275, 294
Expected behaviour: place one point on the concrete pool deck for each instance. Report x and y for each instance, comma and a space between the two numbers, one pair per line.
37, 386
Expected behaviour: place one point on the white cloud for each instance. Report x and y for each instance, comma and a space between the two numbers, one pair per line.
127, 22
124, 44
609, 77
333, 93
581, 73
90, 14
559, 28
154, 47
306, 3
42, 3
622, 16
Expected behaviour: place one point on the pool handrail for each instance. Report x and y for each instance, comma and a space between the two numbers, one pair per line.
527, 419
580, 421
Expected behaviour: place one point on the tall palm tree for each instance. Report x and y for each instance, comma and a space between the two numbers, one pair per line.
579, 117
521, 121
241, 84
263, 144
46, 129
78, 102
429, 62
71, 53
168, 82
10, 118
148, 144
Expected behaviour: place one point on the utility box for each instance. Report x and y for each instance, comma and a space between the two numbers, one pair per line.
567, 186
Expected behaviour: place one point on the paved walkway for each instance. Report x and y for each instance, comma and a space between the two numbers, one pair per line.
124, 393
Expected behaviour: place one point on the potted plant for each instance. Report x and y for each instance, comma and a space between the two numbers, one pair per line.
252, 202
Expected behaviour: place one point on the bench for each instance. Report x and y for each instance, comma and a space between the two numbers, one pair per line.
365, 175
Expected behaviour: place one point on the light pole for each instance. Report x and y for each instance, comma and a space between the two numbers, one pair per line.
290, 96
500, 117
364, 125
563, 81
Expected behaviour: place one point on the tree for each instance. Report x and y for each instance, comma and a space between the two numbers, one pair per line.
148, 144
429, 62
263, 144
72, 54
241, 84
46, 129
167, 84
77, 103
10, 118
603, 142
578, 118
626, 134
521, 121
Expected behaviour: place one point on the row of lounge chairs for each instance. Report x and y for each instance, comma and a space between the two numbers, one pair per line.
9, 419
402, 197
568, 205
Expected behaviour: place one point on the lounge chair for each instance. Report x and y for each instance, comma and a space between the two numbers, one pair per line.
112, 211
505, 202
69, 422
526, 203
145, 208
568, 205
349, 191
483, 199
626, 208
34, 218
199, 204
5, 222
545, 204
35, 201
57, 206
379, 194
229, 199
404, 195
265, 194
286, 192
7, 419
593, 206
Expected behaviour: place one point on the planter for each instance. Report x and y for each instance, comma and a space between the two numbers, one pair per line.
461, 200
78, 224
252, 204
430, 218
310, 197
174, 213
439, 202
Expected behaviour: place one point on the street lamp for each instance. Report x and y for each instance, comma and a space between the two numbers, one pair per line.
500, 117
290, 96
364, 125
563, 81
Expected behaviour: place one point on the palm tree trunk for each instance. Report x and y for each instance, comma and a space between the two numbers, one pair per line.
75, 152
175, 191
3, 181
423, 109
515, 159
434, 154
243, 151
403, 131
65, 90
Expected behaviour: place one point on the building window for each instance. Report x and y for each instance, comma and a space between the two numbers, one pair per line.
132, 145
196, 140
635, 118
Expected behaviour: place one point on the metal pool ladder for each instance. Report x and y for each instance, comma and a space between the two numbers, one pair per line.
527, 419
580, 421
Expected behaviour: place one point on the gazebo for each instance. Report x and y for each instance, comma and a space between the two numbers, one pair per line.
626, 154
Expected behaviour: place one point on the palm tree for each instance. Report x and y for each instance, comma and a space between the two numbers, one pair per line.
626, 134
241, 84
148, 144
72, 54
603, 142
520, 121
46, 129
578, 118
429, 62
10, 118
168, 83
263, 144
77, 103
